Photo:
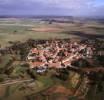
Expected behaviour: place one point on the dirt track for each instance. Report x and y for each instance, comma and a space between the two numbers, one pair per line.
14, 82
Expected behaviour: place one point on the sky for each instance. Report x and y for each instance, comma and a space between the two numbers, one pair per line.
52, 7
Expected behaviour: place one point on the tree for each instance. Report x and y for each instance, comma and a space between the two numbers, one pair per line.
9, 70
80, 63
31, 73
100, 59
2, 78
63, 74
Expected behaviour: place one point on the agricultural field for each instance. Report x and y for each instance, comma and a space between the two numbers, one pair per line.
22, 29
42, 84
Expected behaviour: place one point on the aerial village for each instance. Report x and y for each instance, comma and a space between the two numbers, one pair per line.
58, 54
55, 53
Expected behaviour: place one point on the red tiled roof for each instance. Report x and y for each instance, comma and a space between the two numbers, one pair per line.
36, 64
34, 50
55, 65
66, 63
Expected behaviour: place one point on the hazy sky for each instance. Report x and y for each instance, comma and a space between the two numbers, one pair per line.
52, 7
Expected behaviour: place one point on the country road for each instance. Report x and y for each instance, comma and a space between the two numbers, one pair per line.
14, 82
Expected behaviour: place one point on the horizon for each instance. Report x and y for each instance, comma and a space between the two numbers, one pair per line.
53, 16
